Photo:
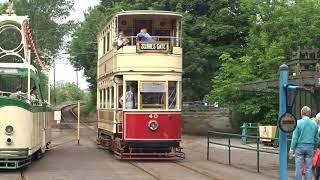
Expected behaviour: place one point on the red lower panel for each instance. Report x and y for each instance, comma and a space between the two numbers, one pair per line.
137, 126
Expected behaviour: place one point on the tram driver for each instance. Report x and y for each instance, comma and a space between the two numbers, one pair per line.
130, 98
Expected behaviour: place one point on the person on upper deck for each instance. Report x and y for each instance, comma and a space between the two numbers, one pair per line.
143, 35
34, 96
121, 41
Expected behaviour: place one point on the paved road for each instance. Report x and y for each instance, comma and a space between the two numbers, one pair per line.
69, 161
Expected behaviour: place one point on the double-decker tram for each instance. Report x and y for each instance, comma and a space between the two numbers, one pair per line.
139, 85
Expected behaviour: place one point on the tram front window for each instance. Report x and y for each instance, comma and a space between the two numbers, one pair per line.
153, 95
13, 85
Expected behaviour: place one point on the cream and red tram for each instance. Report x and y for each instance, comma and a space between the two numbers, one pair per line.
139, 86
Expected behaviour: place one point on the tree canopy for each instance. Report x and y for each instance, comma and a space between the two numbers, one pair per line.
276, 29
210, 29
226, 43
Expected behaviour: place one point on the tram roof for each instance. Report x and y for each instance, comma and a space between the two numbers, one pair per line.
148, 12
13, 18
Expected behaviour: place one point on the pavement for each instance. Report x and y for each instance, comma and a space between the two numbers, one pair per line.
67, 160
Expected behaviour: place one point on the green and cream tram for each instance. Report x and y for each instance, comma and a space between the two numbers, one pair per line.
25, 115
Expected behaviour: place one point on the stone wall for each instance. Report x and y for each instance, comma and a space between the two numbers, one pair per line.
200, 122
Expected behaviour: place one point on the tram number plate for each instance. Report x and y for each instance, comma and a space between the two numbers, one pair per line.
153, 116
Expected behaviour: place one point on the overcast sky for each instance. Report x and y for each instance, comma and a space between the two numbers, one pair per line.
64, 71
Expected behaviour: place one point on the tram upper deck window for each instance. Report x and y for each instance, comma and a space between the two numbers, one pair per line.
153, 95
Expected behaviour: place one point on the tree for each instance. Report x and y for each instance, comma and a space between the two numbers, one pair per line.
211, 28
69, 92
276, 29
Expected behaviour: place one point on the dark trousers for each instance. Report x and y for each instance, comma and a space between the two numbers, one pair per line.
317, 173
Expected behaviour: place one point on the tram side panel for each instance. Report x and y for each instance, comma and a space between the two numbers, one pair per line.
152, 126
105, 120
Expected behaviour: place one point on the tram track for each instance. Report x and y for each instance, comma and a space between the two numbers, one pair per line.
22, 177
144, 170
195, 170
186, 167
69, 118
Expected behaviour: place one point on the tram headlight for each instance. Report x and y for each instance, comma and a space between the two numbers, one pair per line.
9, 141
153, 125
9, 130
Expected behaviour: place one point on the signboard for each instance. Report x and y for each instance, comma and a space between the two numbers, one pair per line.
153, 47
287, 122
8, 71
57, 115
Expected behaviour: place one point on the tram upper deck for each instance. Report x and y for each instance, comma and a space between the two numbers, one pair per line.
159, 52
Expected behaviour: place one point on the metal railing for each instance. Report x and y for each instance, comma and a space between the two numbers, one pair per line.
258, 150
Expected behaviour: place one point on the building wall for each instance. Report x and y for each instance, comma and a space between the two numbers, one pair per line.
200, 122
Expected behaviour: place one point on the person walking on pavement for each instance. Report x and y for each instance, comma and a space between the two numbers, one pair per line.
304, 143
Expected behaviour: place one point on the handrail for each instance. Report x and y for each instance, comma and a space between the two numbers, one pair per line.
229, 145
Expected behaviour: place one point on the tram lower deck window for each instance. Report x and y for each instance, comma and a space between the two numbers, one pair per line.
153, 95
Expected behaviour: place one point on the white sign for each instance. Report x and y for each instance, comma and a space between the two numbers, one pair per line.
57, 115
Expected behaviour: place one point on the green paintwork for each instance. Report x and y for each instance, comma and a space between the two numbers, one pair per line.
6, 101
18, 158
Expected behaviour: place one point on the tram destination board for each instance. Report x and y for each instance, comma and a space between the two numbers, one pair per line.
288, 122
153, 47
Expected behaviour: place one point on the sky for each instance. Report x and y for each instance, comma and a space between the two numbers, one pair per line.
64, 70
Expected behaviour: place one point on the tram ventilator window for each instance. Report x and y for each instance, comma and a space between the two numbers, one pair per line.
153, 95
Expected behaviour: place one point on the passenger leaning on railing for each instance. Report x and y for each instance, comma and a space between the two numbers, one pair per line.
143, 35
120, 40
304, 143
